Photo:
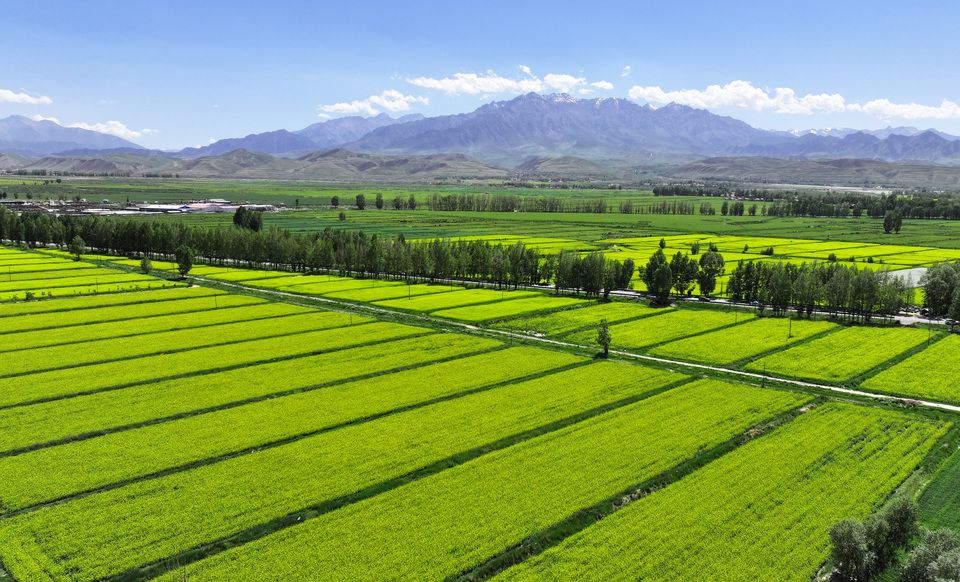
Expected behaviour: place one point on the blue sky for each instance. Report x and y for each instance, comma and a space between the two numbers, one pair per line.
174, 74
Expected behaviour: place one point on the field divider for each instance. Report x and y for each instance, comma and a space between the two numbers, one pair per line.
299, 436
166, 351
126, 319
587, 516
148, 333
204, 371
153, 569
251, 400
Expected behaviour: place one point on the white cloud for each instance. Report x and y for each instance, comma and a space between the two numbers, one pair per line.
324, 116
391, 100
492, 83
743, 95
602, 85
585, 91
113, 128
39, 117
11, 97
884, 109
626, 71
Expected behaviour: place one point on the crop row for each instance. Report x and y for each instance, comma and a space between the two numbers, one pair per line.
161, 517
55, 383
256, 314
287, 319
90, 288
841, 355
105, 280
661, 328
503, 309
458, 297
444, 524
140, 298
742, 341
115, 313
55, 472
571, 319
929, 374
759, 513
48, 421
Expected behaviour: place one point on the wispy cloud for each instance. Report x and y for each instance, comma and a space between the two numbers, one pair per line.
626, 71
491, 83
8, 96
603, 85
39, 117
115, 128
391, 100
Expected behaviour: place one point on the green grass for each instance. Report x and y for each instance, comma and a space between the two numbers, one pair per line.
140, 298
742, 341
939, 501
842, 355
758, 513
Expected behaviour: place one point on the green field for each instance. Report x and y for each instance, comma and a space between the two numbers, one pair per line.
667, 326
571, 319
774, 500
939, 500
841, 355
923, 375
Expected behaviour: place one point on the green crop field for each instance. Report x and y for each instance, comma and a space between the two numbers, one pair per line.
505, 309
450, 522
860, 350
667, 326
923, 375
459, 297
742, 341
569, 320
139, 298
759, 513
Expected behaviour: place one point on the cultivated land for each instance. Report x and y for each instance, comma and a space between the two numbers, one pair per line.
278, 426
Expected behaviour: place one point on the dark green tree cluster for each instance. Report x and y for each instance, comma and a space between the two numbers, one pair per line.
892, 221
941, 290
860, 550
246, 218
591, 273
681, 273
844, 290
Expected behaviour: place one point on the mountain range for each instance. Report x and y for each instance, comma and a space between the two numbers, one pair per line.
530, 133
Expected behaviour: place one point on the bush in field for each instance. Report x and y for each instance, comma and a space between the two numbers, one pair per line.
603, 337
146, 265
861, 550
930, 561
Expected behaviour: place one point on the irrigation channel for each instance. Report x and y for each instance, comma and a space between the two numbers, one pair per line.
348, 307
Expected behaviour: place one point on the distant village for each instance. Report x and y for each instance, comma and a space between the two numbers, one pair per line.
107, 208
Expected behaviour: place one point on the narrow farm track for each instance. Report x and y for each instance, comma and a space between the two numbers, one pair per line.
346, 307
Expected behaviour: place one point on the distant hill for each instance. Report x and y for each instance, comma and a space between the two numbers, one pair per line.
852, 172
562, 166
336, 132
271, 142
22, 135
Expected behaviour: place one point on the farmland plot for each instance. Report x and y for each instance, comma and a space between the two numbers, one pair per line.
502, 309
665, 327
140, 298
437, 527
742, 341
459, 297
571, 319
924, 374
350, 459
842, 355
759, 513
